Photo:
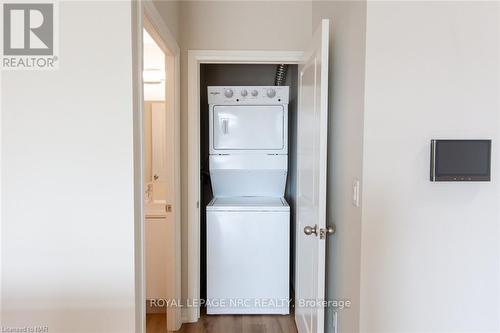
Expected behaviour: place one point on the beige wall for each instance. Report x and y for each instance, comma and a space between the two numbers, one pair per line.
430, 254
345, 152
170, 13
245, 25
238, 25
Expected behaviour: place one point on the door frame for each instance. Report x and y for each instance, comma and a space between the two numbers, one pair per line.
146, 16
195, 59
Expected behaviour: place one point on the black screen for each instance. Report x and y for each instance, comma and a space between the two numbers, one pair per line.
462, 158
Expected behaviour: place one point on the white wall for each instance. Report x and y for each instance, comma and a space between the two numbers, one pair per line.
154, 70
430, 251
345, 153
67, 180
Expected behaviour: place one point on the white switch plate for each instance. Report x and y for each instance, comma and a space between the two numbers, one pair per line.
355, 193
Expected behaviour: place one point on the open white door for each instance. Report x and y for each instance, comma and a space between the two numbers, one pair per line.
310, 211
161, 142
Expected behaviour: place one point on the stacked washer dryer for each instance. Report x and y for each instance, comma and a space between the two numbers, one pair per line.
248, 219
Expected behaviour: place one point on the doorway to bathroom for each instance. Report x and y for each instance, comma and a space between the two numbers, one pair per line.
160, 175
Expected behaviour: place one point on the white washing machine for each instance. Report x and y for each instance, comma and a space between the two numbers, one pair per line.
248, 220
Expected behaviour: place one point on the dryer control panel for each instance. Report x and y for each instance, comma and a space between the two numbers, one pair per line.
253, 95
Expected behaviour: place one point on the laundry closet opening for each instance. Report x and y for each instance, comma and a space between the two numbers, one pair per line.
269, 237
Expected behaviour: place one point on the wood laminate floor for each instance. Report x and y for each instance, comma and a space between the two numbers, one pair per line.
156, 323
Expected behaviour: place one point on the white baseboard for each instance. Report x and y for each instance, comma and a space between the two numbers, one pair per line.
188, 315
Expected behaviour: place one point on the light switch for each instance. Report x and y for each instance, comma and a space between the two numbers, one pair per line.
355, 193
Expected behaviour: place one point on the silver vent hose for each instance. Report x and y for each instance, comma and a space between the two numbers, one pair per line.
280, 78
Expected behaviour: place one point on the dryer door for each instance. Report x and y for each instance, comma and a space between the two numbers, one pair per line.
248, 127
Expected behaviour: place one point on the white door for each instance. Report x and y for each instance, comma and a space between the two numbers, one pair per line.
160, 143
311, 184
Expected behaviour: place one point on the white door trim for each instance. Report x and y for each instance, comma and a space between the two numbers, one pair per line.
195, 58
145, 15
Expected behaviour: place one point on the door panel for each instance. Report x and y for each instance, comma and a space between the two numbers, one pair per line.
311, 182
242, 127
160, 143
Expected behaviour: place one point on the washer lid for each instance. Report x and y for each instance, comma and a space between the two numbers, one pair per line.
248, 204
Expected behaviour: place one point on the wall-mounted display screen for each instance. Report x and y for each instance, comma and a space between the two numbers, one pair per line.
460, 160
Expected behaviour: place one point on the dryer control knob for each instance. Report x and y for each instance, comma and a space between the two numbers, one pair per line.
255, 92
244, 92
228, 93
271, 92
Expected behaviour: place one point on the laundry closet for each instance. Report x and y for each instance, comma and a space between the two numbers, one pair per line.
248, 136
